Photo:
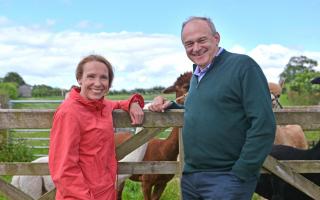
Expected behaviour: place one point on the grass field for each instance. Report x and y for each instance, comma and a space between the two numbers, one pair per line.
147, 97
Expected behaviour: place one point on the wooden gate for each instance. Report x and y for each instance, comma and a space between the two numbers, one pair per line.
308, 118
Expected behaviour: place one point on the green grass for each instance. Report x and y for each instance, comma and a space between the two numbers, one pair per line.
42, 134
284, 100
38, 105
132, 190
312, 137
14, 153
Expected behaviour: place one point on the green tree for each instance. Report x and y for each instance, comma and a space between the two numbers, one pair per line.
10, 89
45, 91
296, 66
301, 91
298, 74
14, 77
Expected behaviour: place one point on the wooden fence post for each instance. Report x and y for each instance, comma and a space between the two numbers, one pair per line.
181, 160
3, 137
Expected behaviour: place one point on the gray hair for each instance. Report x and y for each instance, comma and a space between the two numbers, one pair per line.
206, 19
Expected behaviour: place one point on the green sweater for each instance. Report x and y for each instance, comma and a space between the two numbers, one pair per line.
229, 124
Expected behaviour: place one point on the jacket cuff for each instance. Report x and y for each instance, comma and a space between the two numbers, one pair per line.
136, 98
175, 105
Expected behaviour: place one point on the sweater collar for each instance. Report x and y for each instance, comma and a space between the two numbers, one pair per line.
91, 104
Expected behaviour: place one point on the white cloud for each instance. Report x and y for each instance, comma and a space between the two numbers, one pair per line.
238, 49
43, 57
140, 60
273, 58
4, 20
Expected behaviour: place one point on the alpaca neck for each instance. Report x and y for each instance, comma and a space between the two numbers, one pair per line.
172, 142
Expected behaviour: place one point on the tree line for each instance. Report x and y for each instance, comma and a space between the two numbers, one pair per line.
9, 89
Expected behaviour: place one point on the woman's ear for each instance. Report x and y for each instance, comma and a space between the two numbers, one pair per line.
79, 82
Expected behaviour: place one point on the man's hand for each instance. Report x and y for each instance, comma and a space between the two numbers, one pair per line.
159, 104
136, 113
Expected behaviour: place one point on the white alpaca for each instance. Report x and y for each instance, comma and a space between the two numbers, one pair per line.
135, 156
34, 186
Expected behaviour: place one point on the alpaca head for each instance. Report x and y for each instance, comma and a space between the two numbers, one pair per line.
180, 86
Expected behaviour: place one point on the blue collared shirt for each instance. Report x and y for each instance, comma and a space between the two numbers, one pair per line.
201, 72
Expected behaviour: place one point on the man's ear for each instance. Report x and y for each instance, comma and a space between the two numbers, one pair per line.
217, 37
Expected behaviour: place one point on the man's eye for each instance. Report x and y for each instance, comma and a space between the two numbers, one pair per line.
188, 44
201, 41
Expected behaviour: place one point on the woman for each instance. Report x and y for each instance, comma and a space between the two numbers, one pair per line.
82, 158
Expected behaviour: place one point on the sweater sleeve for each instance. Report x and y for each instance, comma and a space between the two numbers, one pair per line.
260, 135
175, 105
64, 158
125, 104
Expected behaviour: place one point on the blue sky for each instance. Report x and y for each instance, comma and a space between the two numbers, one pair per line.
43, 40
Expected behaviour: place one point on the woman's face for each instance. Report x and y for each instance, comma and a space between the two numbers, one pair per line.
94, 82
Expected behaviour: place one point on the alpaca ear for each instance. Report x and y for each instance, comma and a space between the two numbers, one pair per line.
170, 89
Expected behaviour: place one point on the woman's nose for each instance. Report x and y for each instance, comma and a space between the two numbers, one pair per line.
97, 81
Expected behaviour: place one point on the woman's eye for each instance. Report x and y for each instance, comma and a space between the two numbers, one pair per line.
105, 77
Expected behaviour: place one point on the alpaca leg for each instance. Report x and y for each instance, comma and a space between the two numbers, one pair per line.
119, 190
48, 183
158, 190
146, 189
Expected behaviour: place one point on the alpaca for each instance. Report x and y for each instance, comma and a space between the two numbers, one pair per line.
315, 80
272, 187
162, 149
34, 186
275, 92
290, 135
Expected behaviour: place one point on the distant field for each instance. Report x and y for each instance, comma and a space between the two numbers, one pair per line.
147, 97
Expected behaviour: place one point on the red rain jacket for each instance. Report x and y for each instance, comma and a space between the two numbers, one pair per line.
82, 158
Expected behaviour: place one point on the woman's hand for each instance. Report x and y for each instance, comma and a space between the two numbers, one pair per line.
136, 113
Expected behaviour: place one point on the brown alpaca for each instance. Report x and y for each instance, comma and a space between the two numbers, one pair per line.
120, 137
290, 135
162, 149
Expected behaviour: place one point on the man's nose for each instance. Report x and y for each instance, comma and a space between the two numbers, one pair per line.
196, 47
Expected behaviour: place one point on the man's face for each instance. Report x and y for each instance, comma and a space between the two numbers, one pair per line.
94, 81
200, 43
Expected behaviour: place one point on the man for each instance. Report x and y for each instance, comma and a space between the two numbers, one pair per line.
229, 126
